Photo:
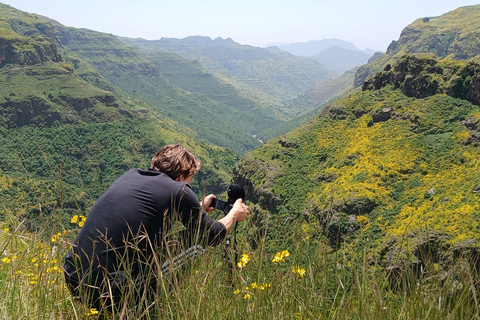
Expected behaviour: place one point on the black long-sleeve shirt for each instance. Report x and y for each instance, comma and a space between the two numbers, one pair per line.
127, 225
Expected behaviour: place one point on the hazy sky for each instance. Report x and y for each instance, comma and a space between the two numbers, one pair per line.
366, 23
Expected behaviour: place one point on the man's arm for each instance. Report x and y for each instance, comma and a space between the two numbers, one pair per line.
197, 221
239, 212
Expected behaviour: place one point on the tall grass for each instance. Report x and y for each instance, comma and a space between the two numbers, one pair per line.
307, 282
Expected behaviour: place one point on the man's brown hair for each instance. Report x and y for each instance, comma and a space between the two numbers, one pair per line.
175, 160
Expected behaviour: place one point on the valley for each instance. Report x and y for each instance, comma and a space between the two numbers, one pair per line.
361, 164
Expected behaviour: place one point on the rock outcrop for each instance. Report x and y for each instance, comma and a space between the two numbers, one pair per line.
40, 49
424, 75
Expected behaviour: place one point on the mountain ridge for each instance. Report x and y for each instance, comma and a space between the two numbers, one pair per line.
453, 35
314, 47
261, 73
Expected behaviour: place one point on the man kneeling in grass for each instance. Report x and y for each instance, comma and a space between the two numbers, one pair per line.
117, 257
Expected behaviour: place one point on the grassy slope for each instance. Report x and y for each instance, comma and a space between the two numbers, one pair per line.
280, 284
192, 77
379, 172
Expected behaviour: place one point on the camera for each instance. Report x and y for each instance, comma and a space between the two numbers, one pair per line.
235, 191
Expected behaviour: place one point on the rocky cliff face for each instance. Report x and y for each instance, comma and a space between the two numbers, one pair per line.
44, 111
108, 54
424, 75
26, 39
28, 51
453, 40
242, 173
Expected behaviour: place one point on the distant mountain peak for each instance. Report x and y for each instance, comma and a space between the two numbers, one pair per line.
201, 41
313, 47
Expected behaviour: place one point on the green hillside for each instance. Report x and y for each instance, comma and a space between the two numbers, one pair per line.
340, 59
309, 104
235, 111
63, 140
453, 35
379, 165
267, 75
226, 121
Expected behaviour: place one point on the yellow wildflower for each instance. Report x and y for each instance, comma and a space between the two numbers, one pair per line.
7, 260
247, 296
55, 237
74, 219
300, 271
80, 224
280, 256
6, 229
243, 261
254, 285
236, 291
92, 312
266, 285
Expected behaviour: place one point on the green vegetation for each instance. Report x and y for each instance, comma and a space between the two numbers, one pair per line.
394, 164
311, 103
270, 76
375, 200
280, 283
376, 165
178, 89
66, 136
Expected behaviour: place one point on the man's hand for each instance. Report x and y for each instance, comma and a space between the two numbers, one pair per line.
240, 210
207, 201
